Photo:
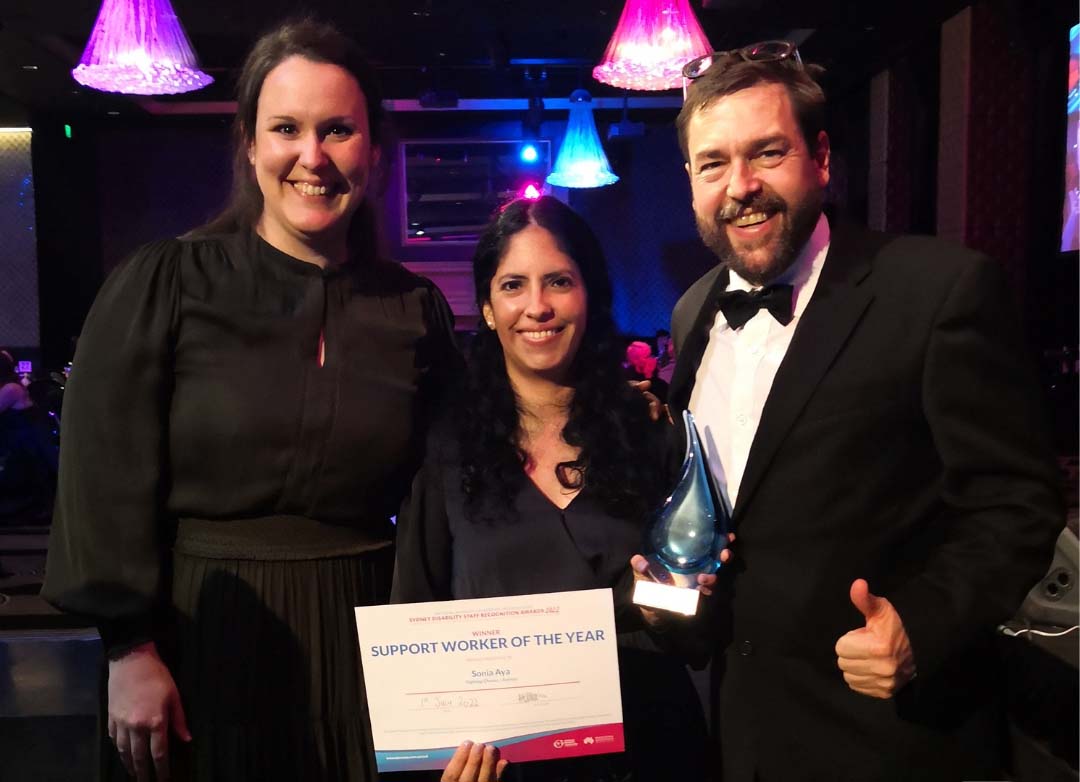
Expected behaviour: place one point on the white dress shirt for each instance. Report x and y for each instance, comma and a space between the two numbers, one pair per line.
738, 367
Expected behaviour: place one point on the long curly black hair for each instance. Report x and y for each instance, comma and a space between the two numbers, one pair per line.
608, 420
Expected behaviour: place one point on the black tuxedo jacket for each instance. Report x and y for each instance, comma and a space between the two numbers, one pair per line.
902, 442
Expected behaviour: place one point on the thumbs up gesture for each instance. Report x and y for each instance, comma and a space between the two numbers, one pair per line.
876, 659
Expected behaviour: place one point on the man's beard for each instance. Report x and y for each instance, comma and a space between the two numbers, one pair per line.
798, 222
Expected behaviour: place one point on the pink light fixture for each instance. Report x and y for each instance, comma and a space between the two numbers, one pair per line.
652, 42
139, 47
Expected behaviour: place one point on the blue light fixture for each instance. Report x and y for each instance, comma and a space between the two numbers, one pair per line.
581, 161
529, 154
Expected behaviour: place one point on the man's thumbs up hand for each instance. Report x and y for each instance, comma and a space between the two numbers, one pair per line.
876, 659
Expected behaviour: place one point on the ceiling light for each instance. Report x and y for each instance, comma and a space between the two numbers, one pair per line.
581, 161
651, 43
138, 47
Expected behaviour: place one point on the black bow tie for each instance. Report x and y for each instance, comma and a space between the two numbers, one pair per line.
739, 306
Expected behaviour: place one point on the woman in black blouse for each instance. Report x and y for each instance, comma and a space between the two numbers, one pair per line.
540, 481
247, 408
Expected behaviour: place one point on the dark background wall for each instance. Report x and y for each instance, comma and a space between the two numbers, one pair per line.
647, 228
158, 181
106, 190
69, 233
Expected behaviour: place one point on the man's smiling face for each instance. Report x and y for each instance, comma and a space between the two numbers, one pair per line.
757, 188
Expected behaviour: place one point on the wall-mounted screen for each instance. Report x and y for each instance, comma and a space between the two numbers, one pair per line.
452, 187
1070, 228
19, 281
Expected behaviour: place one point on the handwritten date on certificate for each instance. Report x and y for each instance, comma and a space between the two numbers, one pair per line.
452, 702
440, 702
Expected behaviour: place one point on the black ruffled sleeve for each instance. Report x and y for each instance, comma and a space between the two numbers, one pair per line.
424, 565
109, 537
447, 363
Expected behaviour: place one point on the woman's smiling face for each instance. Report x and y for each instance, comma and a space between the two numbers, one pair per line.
537, 306
312, 156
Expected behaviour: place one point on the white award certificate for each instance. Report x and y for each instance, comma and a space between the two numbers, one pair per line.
536, 675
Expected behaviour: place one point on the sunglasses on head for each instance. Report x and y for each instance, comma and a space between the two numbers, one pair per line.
762, 51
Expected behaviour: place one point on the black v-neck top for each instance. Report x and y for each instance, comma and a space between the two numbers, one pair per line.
442, 554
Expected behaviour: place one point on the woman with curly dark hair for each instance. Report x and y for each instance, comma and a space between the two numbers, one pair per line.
541, 477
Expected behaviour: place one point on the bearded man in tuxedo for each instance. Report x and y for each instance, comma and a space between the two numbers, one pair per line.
871, 417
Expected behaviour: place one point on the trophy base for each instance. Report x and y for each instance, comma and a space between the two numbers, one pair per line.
679, 599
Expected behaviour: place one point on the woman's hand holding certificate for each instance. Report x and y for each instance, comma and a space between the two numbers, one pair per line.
475, 763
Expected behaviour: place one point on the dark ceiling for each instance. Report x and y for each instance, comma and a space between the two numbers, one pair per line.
473, 47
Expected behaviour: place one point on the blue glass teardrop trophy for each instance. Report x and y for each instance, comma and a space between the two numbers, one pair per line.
686, 534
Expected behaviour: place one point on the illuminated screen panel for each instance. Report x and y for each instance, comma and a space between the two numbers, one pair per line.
19, 326
1070, 228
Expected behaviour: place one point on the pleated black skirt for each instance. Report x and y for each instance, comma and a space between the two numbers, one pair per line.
266, 659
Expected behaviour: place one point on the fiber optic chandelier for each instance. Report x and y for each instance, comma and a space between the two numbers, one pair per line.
652, 42
581, 161
139, 47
